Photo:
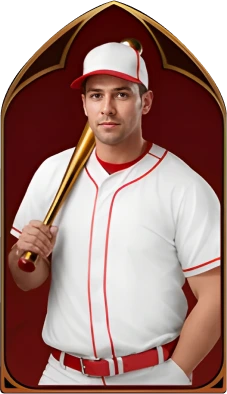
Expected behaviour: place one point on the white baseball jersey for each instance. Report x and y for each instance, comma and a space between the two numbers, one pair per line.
125, 244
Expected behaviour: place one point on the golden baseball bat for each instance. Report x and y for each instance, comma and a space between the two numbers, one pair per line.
27, 262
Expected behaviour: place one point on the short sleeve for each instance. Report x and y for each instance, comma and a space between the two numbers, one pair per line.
33, 205
197, 236
41, 191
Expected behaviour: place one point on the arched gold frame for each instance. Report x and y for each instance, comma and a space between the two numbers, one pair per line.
15, 88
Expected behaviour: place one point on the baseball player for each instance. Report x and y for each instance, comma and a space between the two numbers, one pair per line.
137, 222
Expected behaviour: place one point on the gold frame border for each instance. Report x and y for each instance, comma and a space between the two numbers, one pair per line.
15, 89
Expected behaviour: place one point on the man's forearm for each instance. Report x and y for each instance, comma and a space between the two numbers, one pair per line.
199, 334
28, 280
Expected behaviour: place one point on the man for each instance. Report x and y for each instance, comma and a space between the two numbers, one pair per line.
137, 222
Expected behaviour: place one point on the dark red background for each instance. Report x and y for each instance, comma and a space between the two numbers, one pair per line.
47, 117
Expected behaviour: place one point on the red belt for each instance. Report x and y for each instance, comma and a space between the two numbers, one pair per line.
100, 367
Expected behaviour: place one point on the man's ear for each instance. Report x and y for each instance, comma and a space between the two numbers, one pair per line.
147, 100
84, 105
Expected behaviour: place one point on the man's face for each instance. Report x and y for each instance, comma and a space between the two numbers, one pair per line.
114, 108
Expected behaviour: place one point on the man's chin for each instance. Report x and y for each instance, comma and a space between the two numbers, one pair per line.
109, 139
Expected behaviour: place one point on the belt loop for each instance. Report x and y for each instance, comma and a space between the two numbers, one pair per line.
61, 360
111, 366
120, 365
160, 354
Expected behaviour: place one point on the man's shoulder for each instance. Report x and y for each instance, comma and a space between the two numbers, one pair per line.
177, 171
179, 164
52, 169
59, 158
56, 162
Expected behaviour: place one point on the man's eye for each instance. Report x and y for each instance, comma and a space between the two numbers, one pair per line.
96, 95
122, 95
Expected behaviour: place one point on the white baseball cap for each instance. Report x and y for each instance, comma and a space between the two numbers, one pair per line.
116, 59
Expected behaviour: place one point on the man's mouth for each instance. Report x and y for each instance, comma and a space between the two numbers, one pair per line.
108, 123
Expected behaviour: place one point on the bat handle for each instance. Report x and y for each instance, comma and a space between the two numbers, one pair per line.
27, 262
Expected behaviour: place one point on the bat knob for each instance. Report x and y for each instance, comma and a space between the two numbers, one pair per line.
133, 43
26, 265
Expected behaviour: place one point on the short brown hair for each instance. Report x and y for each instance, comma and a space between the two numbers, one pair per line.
142, 89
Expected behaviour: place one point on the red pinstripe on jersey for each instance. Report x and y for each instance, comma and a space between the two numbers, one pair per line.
15, 229
201, 265
89, 265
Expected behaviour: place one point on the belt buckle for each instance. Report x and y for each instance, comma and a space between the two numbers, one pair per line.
82, 367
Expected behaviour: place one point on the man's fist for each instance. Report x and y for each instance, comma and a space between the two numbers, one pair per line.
38, 238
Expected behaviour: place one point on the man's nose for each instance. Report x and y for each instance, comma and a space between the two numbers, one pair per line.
108, 107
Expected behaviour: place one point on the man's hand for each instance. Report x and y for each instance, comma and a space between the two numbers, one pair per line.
38, 238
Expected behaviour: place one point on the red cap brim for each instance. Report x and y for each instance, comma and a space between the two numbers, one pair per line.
77, 83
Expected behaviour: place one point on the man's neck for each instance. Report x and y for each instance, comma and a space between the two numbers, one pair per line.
117, 154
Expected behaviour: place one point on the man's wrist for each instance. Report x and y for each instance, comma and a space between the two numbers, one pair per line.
46, 260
